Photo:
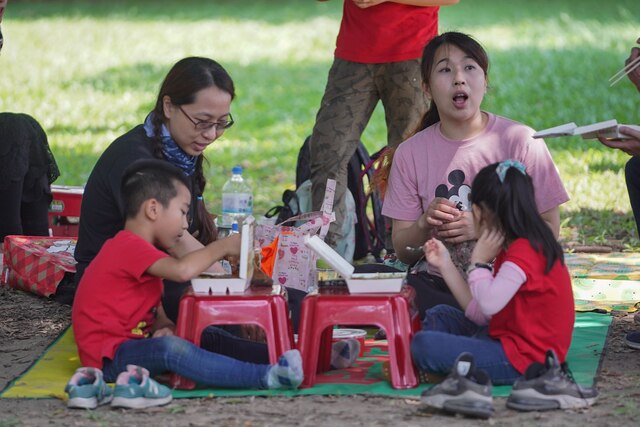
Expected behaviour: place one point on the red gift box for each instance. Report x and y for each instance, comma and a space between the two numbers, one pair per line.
37, 264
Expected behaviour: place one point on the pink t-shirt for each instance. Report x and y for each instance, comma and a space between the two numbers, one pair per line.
428, 165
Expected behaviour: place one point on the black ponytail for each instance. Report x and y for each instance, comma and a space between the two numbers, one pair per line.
512, 204
185, 79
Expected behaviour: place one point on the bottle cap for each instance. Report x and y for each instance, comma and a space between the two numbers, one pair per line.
237, 170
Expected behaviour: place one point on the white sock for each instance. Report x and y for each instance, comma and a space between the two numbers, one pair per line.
344, 353
287, 373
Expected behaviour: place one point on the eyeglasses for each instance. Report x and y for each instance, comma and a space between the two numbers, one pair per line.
204, 125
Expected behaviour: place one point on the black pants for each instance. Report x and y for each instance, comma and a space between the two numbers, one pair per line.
430, 291
224, 341
632, 176
17, 216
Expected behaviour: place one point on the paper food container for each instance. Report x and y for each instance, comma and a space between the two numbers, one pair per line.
358, 283
220, 283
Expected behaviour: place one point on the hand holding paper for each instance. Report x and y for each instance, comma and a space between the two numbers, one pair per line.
630, 145
609, 129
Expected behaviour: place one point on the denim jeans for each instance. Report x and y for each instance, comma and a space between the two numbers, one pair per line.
174, 354
447, 332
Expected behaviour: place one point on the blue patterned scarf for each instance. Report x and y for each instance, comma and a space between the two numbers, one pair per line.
171, 151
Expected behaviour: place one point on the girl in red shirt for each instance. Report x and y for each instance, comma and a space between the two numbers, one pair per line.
515, 310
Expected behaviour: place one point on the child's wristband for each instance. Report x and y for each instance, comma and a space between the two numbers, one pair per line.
479, 265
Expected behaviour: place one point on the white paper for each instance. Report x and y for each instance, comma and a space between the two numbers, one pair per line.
609, 129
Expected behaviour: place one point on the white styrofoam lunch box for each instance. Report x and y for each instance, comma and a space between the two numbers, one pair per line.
220, 283
358, 283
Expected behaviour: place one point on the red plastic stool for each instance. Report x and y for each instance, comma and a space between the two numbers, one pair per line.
392, 312
64, 210
262, 306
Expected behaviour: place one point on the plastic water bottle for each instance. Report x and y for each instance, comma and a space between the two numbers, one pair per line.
237, 199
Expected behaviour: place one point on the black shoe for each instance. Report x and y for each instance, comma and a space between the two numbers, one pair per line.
467, 390
549, 386
66, 290
380, 335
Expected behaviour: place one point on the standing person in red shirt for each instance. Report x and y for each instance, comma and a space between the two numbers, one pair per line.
377, 58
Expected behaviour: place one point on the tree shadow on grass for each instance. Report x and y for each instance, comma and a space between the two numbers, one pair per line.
141, 77
75, 163
599, 227
272, 11
465, 14
265, 91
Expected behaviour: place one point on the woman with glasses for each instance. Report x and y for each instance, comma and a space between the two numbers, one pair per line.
192, 110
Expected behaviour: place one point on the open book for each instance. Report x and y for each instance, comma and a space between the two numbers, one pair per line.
609, 129
220, 283
357, 283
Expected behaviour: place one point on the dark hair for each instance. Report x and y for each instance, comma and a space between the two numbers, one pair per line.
149, 179
187, 77
465, 43
512, 208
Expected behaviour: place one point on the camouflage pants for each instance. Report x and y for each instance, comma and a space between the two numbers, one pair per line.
352, 93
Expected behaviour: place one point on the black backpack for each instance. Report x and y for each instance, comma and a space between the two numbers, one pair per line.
290, 207
371, 230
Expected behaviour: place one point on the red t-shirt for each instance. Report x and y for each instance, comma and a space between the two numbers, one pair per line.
388, 32
116, 299
540, 316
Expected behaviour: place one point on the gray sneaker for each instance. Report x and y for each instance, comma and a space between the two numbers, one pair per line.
549, 386
466, 390
632, 339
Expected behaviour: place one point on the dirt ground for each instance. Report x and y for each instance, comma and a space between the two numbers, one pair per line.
28, 324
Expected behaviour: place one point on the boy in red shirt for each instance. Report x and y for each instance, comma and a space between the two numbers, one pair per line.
114, 324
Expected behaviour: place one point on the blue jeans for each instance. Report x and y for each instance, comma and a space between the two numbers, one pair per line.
447, 332
174, 354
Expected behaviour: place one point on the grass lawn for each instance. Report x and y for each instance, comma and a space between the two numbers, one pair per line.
90, 70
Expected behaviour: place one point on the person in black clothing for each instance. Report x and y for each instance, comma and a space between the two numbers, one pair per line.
631, 146
27, 171
192, 110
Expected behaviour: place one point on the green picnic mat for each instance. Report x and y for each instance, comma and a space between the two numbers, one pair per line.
49, 374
